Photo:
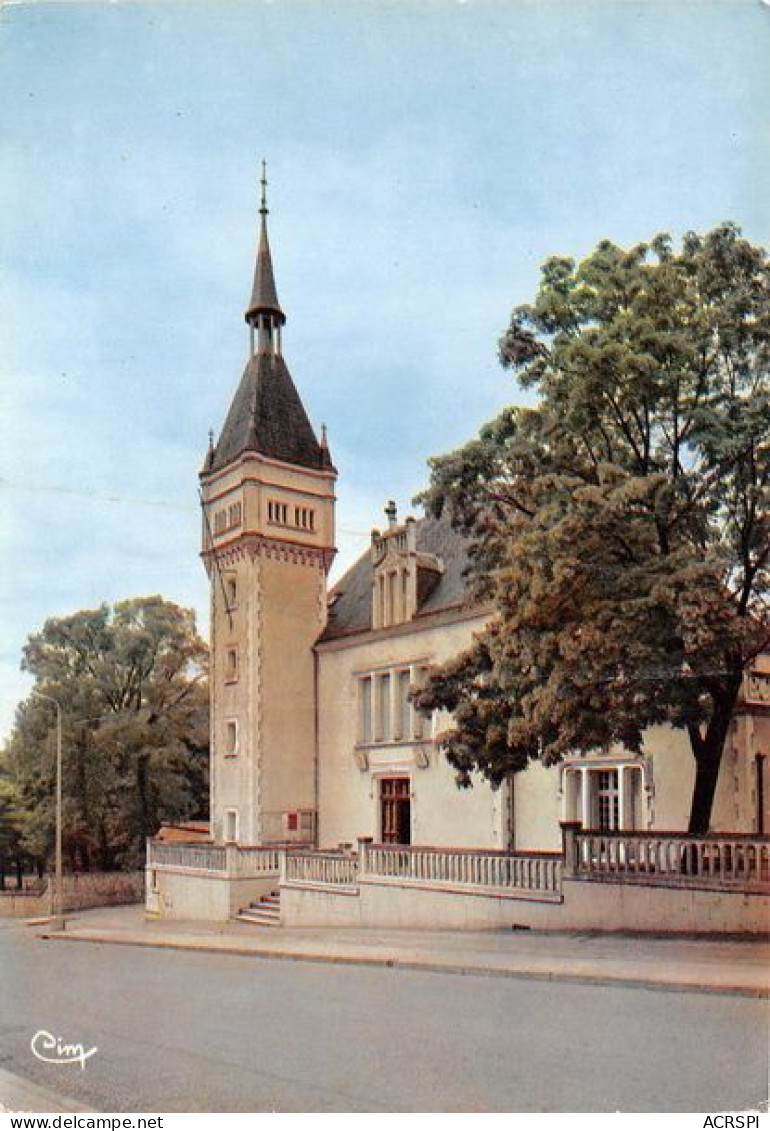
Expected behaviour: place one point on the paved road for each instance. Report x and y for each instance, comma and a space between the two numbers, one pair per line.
180, 1031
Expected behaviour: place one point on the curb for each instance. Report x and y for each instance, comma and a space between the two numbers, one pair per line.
428, 965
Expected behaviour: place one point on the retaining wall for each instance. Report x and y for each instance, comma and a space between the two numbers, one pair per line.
585, 906
209, 896
82, 890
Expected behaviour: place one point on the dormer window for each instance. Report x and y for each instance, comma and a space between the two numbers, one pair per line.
403, 576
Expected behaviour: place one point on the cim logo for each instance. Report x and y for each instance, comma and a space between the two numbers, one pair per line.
52, 1050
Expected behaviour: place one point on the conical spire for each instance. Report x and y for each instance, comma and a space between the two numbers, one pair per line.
264, 297
266, 415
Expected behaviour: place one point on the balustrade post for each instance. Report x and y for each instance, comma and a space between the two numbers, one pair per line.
569, 831
363, 854
282, 866
231, 859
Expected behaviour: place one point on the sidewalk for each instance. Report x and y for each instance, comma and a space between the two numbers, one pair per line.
701, 965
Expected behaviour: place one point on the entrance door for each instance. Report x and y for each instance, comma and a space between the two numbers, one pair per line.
396, 811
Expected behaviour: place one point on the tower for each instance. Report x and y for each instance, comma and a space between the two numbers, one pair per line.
267, 492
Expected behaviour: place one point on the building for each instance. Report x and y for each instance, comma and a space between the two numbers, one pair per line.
314, 739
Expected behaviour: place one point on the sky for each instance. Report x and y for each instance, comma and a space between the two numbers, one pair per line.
424, 158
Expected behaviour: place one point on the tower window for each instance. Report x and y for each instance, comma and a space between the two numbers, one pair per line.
231, 738
231, 826
277, 512
304, 518
231, 665
227, 518
231, 591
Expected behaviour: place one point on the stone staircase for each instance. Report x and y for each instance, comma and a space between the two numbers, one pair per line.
266, 912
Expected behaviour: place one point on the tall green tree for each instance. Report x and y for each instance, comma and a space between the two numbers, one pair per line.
132, 684
11, 853
620, 528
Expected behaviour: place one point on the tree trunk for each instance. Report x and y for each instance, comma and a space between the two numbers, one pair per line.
706, 777
708, 750
142, 764
105, 856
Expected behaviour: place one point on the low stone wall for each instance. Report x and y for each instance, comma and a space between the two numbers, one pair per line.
636, 906
378, 904
82, 890
586, 906
210, 896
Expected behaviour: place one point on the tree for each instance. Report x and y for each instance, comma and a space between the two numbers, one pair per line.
619, 528
131, 681
11, 853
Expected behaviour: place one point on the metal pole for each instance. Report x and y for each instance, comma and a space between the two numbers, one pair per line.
58, 885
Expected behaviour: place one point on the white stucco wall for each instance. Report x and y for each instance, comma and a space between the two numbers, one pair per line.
664, 802
349, 804
205, 896
442, 815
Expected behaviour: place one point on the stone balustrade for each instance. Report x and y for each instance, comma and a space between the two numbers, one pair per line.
319, 869
222, 859
197, 857
675, 858
461, 868
250, 860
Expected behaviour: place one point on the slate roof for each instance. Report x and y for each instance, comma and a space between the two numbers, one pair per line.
267, 416
264, 296
351, 597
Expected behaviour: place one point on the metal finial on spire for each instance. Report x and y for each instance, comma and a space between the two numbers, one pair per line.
324, 440
263, 182
264, 299
211, 438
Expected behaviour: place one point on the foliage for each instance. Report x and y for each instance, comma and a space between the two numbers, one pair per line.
10, 830
131, 681
620, 527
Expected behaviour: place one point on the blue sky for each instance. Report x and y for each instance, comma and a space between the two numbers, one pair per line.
424, 158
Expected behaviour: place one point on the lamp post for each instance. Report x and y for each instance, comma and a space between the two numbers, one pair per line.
57, 902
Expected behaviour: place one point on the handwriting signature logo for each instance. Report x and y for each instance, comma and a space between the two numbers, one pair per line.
53, 1050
